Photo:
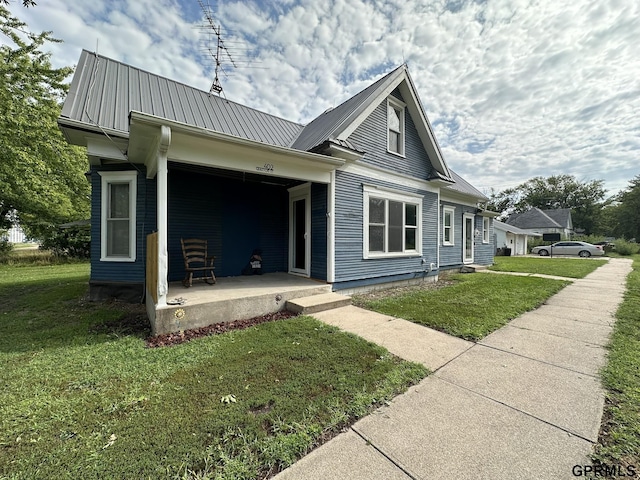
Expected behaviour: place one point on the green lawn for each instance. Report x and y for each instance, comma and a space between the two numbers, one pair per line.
472, 307
562, 267
79, 401
619, 442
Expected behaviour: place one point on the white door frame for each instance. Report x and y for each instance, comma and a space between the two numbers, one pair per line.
300, 192
466, 236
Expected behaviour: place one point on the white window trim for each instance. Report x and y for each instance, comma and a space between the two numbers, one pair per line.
393, 195
399, 105
452, 211
485, 230
129, 177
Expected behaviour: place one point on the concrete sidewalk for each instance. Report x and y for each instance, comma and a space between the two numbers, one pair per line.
523, 403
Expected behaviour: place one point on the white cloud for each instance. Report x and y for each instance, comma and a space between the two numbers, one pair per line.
514, 88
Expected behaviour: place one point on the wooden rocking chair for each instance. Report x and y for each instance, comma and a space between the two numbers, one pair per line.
194, 252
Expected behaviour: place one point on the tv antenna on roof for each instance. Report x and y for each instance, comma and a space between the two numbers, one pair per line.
215, 47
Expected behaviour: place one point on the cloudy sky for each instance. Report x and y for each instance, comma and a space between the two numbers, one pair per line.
514, 88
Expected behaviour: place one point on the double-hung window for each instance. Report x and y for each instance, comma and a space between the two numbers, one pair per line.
392, 223
448, 225
118, 224
485, 230
395, 126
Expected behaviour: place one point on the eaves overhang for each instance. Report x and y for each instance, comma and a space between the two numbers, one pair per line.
199, 146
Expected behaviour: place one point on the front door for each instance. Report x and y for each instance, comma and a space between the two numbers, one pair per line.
467, 238
300, 230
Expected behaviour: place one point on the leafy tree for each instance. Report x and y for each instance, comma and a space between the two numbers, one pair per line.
627, 211
558, 191
25, 3
41, 176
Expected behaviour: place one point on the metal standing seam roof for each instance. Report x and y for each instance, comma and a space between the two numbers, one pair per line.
325, 126
464, 187
105, 91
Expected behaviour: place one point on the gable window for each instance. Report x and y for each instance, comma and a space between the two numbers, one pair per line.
395, 126
118, 218
485, 230
448, 225
392, 223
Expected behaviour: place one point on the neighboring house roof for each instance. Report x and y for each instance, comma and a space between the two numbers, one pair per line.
561, 216
464, 187
93, 100
511, 229
533, 218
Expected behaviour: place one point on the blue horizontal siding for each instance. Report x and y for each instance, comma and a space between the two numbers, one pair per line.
371, 137
350, 264
233, 216
319, 231
452, 255
126, 272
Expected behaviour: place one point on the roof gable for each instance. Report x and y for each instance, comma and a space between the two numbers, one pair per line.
533, 218
343, 120
560, 215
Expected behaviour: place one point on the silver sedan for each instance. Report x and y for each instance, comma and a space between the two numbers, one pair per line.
582, 249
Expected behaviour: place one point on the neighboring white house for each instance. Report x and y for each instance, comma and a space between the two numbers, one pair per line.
16, 235
513, 238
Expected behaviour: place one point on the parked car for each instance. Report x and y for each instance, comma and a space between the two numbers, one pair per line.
582, 249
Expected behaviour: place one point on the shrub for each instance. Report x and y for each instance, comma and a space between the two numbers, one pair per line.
626, 248
72, 242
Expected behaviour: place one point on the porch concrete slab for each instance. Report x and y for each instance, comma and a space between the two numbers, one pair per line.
576, 355
440, 430
555, 325
569, 400
345, 456
405, 339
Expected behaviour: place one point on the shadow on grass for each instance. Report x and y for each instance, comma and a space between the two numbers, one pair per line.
55, 313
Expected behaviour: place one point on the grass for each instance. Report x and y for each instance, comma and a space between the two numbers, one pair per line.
561, 267
82, 401
472, 307
619, 442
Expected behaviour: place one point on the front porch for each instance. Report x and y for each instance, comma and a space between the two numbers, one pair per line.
231, 298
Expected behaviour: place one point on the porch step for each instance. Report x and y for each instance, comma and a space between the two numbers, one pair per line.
472, 268
317, 303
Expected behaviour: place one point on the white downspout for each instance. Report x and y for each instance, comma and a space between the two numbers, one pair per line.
162, 193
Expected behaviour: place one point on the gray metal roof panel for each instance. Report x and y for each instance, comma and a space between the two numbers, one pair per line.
462, 186
511, 228
328, 123
104, 91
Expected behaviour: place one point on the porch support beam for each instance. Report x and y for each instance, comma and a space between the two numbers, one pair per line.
162, 192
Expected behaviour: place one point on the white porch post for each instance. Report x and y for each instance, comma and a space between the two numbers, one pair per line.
163, 253
331, 229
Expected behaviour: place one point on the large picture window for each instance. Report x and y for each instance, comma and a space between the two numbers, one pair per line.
392, 223
448, 226
118, 224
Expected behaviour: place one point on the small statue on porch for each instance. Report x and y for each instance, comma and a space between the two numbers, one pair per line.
254, 266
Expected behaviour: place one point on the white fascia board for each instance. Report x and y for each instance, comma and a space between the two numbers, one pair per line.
102, 147
199, 146
378, 173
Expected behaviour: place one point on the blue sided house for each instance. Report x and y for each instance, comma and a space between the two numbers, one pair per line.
359, 197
